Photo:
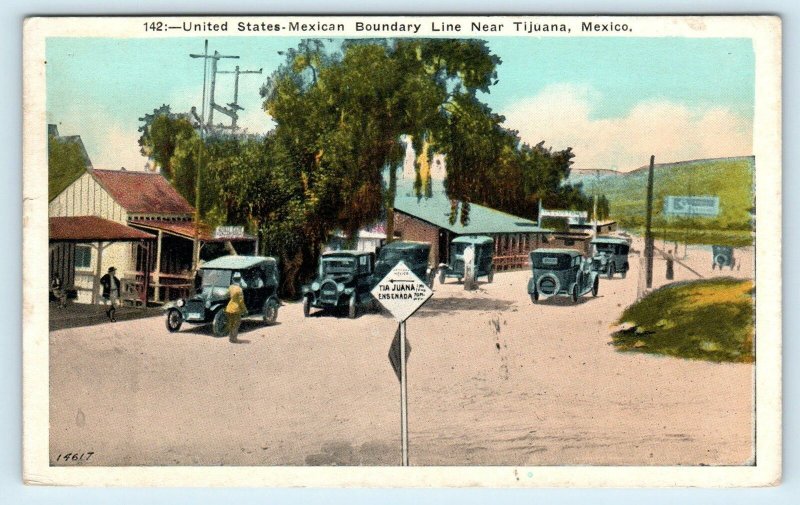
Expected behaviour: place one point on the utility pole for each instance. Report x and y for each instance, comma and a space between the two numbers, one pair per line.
196, 245
648, 232
233, 108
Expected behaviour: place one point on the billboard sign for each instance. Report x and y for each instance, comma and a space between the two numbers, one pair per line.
691, 206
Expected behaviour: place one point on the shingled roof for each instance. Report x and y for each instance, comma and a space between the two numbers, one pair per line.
92, 229
142, 192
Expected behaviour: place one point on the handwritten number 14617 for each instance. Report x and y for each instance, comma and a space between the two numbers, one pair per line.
75, 457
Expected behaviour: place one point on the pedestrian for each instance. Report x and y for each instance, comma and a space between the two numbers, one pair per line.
235, 308
670, 266
57, 290
111, 285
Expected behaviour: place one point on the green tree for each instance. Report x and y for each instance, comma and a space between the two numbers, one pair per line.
160, 133
65, 163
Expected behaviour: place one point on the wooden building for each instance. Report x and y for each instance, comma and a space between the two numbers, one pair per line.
428, 220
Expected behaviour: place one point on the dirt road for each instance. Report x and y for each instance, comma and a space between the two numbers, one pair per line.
493, 379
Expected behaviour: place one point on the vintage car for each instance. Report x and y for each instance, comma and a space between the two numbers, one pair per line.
259, 285
561, 272
414, 254
610, 255
722, 257
483, 259
344, 279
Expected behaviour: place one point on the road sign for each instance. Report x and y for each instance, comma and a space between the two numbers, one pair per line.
689, 206
394, 354
401, 292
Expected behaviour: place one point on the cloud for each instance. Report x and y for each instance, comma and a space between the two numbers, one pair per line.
562, 116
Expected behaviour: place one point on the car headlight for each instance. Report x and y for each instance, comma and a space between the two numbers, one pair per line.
180, 302
208, 304
340, 287
603, 260
314, 286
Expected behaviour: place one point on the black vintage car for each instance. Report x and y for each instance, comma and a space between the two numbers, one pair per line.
722, 256
483, 258
343, 280
563, 272
414, 254
259, 285
610, 256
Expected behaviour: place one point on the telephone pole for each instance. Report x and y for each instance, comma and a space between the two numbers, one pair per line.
648, 232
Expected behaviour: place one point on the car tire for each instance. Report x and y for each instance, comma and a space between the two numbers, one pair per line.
611, 270
490, 277
306, 306
596, 286
270, 311
535, 296
174, 320
574, 294
352, 307
623, 273
219, 325
442, 276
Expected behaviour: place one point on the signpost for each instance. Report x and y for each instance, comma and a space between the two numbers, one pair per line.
691, 206
401, 293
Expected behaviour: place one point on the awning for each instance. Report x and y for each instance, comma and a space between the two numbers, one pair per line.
187, 229
93, 229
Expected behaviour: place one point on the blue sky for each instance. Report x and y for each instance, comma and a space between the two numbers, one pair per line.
611, 99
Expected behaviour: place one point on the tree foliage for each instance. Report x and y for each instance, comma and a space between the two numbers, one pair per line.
65, 163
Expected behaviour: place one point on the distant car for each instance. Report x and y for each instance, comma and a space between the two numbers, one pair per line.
343, 280
561, 272
722, 256
610, 255
259, 286
483, 258
415, 255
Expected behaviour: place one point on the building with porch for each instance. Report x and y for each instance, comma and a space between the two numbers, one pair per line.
159, 269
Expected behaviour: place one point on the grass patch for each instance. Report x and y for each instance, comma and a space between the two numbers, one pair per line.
707, 319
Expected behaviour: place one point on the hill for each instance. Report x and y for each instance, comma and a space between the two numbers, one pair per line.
731, 179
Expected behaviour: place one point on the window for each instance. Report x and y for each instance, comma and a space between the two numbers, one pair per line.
83, 256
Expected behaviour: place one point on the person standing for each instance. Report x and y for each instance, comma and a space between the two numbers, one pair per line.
670, 265
235, 308
111, 286
57, 290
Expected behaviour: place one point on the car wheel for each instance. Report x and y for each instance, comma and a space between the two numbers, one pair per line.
623, 273
174, 320
611, 270
306, 306
535, 296
219, 326
270, 311
490, 277
352, 307
575, 293
596, 286
713, 266
442, 276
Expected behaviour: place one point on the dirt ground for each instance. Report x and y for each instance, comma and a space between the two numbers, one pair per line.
493, 379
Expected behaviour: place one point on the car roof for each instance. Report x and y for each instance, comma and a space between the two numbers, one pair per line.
345, 252
610, 240
473, 239
236, 262
407, 244
571, 252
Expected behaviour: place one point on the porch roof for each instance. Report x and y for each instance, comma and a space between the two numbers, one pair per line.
93, 229
187, 229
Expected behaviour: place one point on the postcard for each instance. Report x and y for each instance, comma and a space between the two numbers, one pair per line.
402, 251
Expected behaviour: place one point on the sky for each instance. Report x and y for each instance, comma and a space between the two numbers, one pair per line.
614, 100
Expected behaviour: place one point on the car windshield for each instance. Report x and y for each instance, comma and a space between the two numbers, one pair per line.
606, 248
216, 278
392, 256
552, 261
337, 265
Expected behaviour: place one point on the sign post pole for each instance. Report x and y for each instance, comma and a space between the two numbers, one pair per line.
403, 394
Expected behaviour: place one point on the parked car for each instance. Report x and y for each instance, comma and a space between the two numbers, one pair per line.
343, 280
414, 254
259, 285
610, 255
483, 260
722, 257
561, 272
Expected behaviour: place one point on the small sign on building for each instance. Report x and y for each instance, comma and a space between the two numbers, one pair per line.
224, 232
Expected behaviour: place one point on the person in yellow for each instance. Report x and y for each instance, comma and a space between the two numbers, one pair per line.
235, 308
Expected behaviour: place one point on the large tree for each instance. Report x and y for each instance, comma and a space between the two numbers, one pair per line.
65, 163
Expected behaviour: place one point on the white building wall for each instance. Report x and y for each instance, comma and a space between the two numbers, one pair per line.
85, 197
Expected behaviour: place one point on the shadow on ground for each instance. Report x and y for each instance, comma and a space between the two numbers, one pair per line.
344, 454
436, 306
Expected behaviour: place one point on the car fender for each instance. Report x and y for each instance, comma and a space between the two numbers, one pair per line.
275, 300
